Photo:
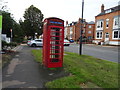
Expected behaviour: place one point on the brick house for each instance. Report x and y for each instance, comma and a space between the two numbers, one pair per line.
107, 26
70, 31
89, 30
73, 30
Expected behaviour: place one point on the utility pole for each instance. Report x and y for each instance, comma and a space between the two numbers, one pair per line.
81, 28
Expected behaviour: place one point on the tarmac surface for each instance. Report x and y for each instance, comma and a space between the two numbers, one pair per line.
24, 72
109, 53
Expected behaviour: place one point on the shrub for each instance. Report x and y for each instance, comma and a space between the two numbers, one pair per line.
4, 43
13, 44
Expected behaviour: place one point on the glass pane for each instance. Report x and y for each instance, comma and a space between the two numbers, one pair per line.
119, 34
54, 60
53, 51
97, 34
100, 34
115, 34
107, 35
54, 56
56, 29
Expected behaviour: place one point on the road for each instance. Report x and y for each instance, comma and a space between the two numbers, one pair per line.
102, 52
24, 72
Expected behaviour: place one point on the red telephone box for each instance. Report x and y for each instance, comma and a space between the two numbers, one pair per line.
53, 39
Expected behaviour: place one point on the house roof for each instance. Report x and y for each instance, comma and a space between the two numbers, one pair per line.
110, 10
91, 22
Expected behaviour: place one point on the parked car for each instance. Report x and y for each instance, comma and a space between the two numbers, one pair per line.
34, 43
66, 42
71, 41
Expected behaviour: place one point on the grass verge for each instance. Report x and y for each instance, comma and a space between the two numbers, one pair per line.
85, 72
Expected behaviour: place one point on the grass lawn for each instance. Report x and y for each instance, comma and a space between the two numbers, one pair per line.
85, 72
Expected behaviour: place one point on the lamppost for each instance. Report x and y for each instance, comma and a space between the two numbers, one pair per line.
80, 48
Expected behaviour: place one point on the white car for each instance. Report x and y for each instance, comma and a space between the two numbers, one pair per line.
36, 42
66, 42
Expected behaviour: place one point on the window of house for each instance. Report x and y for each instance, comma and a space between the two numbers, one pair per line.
100, 24
89, 32
116, 34
119, 34
89, 26
89, 37
99, 35
107, 23
116, 21
108, 11
107, 35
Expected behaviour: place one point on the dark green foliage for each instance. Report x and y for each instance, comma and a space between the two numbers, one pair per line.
14, 44
33, 21
8, 44
18, 33
4, 43
7, 23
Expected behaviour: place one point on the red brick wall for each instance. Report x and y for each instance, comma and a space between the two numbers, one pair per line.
77, 30
87, 34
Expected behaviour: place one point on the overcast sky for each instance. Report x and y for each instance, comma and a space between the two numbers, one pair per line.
65, 9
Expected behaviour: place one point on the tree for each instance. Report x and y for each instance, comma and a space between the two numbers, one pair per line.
18, 33
33, 21
7, 23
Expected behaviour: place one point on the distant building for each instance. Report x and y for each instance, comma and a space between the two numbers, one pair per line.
89, 30
107, 26
73, 30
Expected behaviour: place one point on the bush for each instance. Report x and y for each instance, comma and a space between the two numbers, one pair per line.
4, 43
13, 44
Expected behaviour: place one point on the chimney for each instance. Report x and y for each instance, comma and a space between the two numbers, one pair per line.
66, 23
102, 8
79, 20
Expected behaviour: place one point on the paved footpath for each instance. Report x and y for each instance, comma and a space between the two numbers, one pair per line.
24, 72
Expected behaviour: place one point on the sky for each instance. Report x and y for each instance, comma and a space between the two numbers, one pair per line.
68, 10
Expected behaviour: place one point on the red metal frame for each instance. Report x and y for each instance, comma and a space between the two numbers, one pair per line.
52, 48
